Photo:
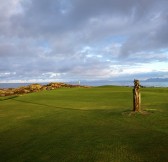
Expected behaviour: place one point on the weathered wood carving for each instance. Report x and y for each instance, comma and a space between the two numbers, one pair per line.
136, 96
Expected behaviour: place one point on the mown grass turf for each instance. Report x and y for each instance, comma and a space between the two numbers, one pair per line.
84, 125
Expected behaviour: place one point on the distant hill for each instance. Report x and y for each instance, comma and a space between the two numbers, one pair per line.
157, 80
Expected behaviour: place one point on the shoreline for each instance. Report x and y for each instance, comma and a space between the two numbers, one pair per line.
92, 83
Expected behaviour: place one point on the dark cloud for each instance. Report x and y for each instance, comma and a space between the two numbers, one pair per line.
63, 39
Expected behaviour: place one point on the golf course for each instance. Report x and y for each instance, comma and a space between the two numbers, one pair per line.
94, 124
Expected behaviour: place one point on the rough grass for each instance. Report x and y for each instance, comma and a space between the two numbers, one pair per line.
84, 125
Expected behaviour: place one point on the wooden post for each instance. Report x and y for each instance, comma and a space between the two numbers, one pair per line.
136, 97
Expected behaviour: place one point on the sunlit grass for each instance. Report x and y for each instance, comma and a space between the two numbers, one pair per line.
84, 125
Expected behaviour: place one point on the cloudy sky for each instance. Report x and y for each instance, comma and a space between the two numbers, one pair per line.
64, 40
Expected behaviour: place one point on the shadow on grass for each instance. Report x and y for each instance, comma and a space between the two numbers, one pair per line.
134, 113
40, 104
14, 98
64, 108
8, 98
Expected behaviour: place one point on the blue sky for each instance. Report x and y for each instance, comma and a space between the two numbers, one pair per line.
65, 40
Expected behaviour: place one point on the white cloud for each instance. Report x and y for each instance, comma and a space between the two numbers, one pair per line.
62, 39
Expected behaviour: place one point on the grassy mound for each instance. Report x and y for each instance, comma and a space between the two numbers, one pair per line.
84, 125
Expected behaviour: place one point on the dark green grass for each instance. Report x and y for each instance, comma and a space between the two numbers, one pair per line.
84, 125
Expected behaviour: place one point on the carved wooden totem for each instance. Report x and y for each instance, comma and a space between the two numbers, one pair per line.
136, 96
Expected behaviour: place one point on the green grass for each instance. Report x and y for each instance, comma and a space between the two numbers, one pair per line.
84, 125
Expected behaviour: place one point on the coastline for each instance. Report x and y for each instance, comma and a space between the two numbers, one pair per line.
91, 83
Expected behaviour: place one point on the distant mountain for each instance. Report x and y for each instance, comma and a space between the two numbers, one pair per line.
157, 80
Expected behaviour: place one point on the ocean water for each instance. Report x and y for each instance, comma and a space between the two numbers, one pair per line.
126, 83
94, 83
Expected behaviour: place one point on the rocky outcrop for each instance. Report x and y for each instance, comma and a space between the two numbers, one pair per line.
35, 88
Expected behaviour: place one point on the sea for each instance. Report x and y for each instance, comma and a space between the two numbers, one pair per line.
94, 83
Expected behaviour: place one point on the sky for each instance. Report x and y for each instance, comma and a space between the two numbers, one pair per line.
68, 40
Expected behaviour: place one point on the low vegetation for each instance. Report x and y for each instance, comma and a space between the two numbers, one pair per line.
84, 125
34, 88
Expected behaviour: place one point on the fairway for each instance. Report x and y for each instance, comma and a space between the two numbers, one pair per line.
84, 125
